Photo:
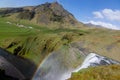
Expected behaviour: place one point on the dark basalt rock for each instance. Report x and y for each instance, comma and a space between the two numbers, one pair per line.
16, 66
3, 76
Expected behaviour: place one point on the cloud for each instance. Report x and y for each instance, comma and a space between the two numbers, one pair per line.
109, 14
112, 14
103, 24
98, 14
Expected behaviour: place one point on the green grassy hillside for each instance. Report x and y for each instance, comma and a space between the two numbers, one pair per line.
36, 43
101, 41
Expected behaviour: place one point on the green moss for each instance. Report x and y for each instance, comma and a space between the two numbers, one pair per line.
110, 72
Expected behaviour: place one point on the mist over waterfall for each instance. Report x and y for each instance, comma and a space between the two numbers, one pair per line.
51, 69
56, 68
59, 65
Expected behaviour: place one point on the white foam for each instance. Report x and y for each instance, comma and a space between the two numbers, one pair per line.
88, 60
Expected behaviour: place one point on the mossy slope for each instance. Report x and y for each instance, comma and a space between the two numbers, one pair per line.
111, 72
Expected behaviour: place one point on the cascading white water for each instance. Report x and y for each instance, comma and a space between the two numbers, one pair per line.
94, 59
53, 68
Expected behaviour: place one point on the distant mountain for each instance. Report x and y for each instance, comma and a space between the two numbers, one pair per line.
101, 25
48, 13
93, 25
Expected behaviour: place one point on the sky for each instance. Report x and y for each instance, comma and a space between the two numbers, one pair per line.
98, 12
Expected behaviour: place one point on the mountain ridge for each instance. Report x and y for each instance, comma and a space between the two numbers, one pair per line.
44, 14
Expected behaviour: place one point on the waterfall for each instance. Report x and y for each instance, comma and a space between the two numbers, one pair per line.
94, 59
51, 69
57, 65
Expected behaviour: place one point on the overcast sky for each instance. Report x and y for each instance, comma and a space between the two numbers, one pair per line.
98, 12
